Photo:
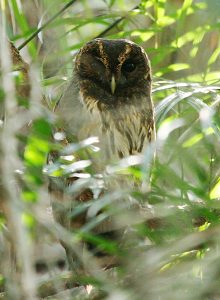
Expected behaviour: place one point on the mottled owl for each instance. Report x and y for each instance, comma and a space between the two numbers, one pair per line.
109, 96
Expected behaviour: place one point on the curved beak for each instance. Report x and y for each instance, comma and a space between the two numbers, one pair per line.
113, 84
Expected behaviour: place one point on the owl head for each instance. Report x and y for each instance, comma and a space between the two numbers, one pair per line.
112, 73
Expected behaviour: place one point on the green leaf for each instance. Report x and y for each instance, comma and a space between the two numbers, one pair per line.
197, 137
215, 191
23, 24
172, 68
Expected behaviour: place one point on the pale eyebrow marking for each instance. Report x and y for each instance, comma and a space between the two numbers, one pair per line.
103, 56
122, 57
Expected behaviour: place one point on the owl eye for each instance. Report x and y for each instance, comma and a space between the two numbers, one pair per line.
128, 66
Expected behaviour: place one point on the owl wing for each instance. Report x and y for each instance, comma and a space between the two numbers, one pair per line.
76, 121
77, 124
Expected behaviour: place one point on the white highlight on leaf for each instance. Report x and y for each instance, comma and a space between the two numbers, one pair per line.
59, 136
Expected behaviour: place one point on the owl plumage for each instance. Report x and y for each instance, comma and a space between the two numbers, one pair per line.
109, 96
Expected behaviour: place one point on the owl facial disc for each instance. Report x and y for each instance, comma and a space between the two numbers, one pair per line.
112, 73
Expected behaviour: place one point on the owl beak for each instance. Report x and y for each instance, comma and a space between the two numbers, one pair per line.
113, 84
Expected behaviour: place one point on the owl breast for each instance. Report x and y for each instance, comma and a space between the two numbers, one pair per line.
122, 131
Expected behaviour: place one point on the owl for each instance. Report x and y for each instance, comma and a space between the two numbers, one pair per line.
109, 97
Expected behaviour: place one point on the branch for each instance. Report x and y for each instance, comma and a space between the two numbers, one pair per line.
46, 24
103, 33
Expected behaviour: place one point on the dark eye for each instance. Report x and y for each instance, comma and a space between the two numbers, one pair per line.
61, 263
128, 66
41, 267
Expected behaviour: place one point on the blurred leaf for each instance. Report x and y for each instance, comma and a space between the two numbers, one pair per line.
214, 56
28, 220
102, 244
215, 191
23, 24
29, 196
36, 151
196, 138
42, 128
170, 68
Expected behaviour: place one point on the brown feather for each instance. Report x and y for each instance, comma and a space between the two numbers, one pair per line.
123, 121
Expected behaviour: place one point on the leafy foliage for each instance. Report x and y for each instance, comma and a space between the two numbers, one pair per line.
175, 245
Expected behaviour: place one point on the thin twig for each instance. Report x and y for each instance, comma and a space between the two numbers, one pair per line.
103, 33
21, 284
46, 24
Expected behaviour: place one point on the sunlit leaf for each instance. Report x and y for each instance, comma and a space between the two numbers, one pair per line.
29, 196
170, 68
28, 220
198, 137
215, 191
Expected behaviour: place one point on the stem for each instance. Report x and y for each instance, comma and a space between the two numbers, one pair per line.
46, 24
22, 285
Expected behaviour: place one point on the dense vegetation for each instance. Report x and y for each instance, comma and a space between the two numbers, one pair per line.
179, 258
